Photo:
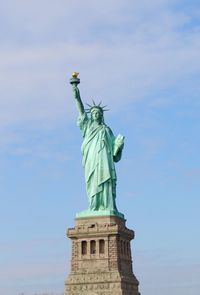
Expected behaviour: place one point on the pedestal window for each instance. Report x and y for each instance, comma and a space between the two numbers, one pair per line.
101, 246
83, 247
92, 247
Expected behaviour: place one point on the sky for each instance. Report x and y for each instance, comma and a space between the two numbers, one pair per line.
142, 59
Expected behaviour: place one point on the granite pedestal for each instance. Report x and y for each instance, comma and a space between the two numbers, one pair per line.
101, 262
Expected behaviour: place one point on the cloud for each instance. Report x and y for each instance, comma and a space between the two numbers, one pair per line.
34, 267
30, 259
175, 275
194, 172
128, 52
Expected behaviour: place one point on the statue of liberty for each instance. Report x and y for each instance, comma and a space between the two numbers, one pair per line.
100, 149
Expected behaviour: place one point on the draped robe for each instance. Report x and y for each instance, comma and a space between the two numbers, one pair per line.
98, 162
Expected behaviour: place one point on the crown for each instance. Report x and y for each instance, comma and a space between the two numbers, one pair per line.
96, 106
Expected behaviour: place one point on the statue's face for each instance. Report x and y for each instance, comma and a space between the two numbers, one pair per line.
96, 115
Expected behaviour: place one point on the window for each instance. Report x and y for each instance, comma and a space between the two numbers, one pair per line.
122, 247
92, 247
83, 247
101, 247
125, 248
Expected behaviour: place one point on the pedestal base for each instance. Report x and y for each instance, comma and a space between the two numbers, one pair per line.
101, 258
100, 213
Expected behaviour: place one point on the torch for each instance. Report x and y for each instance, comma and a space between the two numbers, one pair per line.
74, 79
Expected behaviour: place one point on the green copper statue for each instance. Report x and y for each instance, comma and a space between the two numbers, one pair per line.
100, 149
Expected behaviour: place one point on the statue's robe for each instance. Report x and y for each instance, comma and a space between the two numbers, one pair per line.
98, 161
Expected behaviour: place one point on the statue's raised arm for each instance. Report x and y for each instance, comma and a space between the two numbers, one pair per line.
75, 81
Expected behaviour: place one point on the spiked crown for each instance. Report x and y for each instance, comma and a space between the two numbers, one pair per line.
95, 106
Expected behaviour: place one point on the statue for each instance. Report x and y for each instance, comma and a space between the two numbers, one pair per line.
100, 149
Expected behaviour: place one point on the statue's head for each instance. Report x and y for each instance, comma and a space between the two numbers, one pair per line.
96, 112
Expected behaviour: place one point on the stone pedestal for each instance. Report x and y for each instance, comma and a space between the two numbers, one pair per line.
101, 261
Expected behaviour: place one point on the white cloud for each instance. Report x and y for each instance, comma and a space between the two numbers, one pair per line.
124, 51
175, 275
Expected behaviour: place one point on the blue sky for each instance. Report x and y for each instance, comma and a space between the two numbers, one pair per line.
142, 58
